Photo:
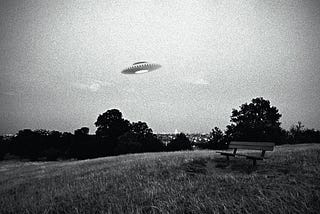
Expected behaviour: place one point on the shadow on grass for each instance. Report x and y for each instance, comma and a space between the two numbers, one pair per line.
218, 165
196, 166
238, 165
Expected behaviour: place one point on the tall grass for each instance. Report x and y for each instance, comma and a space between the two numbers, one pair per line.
176, 182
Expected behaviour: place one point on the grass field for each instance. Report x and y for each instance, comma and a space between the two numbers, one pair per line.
176, 182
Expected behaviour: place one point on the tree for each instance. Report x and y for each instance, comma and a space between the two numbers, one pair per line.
5, 146
128, 143
111, 124
140, 128
42, 132
82, 131
180, 142
257, 121
217, 139
140, 138
299, 134
29, 144
53, 145
216, 135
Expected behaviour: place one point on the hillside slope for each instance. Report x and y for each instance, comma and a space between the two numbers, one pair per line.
176, 182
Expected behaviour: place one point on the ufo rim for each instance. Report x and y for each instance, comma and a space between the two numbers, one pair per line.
141, 68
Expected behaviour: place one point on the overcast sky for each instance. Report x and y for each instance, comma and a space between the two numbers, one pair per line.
61, 61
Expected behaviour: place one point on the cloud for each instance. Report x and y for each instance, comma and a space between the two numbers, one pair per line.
91, 85
197, 81
95, 87
130, 90
83, 86
200, 82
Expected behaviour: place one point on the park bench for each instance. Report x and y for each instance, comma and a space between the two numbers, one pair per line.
235, 145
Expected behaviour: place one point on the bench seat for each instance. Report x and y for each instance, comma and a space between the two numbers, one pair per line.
250, 156
235, 145
226, 153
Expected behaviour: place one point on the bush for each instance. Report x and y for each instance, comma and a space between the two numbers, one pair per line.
180, 142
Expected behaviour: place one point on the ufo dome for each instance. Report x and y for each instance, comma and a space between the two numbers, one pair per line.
140, 68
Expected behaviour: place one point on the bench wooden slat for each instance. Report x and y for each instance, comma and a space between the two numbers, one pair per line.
257, 147
252, 143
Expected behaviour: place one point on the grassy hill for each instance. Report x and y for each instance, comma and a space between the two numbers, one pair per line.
176, 182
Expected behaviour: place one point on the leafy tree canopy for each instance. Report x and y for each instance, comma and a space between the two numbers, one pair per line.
141, 128
140, 138
82, 131
216, 135
255, 121
111, 124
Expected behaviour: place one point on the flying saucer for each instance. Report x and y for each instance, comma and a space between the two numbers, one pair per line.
140, 68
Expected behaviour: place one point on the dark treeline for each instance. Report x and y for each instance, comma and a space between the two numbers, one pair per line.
114, 136
256, 121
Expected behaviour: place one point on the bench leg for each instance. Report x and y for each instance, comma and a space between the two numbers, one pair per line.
254, 162
228, 158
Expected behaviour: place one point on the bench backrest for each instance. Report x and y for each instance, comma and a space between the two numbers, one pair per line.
265, 146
